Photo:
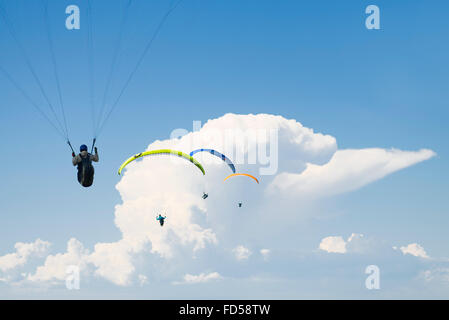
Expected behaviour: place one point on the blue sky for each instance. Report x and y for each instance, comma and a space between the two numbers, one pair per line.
312, 61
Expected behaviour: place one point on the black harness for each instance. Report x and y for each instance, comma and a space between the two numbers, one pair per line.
86, 171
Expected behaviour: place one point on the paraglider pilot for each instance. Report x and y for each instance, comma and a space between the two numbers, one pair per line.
85, 168
161, 220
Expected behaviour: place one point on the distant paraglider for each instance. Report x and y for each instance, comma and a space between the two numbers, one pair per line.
161, 220
182, 155
217, 154
242, 175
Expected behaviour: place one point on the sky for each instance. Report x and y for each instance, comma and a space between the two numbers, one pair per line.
361, 177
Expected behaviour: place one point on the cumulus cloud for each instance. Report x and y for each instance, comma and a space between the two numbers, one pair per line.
55, 266
241, 252
201, 278
23, 252
348, 170
333, 244
414, 249
290, 160
113, 261
356, 243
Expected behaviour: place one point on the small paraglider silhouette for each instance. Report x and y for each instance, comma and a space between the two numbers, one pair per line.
240, 204
161, 220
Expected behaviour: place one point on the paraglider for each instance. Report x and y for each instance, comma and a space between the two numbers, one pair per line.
169, 152
218, 154
161, 220
55, 114
83, 161
242, 175
179, 154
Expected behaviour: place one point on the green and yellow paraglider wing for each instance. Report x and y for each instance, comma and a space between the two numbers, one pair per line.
162, 152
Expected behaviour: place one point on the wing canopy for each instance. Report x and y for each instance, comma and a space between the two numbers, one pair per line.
218, 154
242, 174
162, 152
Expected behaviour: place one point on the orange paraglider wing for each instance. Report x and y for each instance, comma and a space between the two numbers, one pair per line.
241, 174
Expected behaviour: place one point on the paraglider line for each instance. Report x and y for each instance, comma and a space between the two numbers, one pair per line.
55, 65
113, 66
142, 57
31, 101
29, 65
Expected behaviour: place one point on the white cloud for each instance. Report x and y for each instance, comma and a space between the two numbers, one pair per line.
265, 253
436, 274
143, 279
23, 252
355, 237
356, 243
55, 266
113, 262
241, 253
333, 245
201, 278
348, 170
309, 166
414, 249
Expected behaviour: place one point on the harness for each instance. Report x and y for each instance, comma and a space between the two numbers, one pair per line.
86, 171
